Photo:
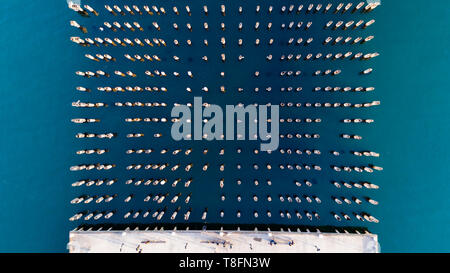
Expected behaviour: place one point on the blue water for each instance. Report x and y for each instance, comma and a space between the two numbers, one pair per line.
410, 130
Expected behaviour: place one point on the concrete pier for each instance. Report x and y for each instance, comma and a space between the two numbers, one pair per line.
186, 241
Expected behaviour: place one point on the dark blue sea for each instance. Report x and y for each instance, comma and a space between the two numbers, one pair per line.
410, 129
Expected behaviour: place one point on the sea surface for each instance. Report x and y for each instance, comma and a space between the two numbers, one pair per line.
410, 132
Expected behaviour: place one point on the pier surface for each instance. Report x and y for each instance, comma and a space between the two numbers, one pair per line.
220, 242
